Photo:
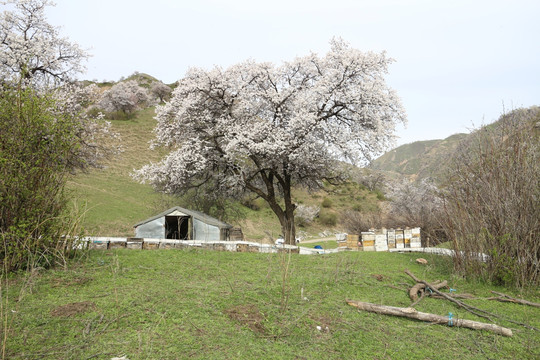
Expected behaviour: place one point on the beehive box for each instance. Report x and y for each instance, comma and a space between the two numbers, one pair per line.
167, 244
381, 243
99, 244
117, 243
416, 241
399, 239
150, 244
407, 235
236, 234
368, 241
352, 241
134, 244
391, 238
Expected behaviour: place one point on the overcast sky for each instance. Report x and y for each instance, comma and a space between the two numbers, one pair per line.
458, 63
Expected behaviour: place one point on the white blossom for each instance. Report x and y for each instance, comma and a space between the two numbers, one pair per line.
32, 50
263, 128
125, 96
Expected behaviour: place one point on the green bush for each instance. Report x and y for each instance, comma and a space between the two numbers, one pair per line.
327, 218
38, 150
120, 115
326, 203
380, 195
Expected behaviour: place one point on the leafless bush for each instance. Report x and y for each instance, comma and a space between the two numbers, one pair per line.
356, 222
492, 201
416, 205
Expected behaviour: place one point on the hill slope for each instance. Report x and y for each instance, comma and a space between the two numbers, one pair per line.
420, 158
429, 158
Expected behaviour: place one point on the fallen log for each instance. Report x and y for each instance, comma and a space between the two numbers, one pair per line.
472, 309
505, 298
432, 318
419, 288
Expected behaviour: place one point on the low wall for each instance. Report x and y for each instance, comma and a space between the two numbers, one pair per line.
106, 243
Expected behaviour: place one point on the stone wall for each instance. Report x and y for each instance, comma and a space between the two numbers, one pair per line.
107, 243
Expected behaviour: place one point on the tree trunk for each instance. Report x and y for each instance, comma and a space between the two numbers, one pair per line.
432, 318
288, 229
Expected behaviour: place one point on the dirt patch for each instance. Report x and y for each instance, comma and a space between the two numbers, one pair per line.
379, 277
248, 315
73, 309
325, 322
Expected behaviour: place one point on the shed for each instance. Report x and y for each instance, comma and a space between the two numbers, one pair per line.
183, 224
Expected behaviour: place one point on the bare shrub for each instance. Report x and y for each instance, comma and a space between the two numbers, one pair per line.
492, 201
416, 205
356, 222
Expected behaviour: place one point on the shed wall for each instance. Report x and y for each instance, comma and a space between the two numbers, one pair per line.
203, 231
154, 229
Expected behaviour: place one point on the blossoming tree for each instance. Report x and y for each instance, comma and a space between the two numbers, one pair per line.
264, 129
32, 48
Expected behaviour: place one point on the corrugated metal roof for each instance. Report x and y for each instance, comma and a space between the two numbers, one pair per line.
193, 213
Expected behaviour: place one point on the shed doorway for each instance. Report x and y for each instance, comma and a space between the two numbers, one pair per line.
177, 227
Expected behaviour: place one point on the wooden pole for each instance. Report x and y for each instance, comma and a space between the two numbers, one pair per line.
505, 298
432, 318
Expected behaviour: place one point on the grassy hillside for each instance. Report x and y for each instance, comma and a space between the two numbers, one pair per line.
421, 158
428, 158
114, 202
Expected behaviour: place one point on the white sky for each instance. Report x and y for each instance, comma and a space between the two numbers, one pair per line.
458, 62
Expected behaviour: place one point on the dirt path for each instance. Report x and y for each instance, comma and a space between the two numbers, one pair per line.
318, 240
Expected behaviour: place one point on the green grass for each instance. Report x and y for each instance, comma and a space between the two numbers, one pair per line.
328, 244
170, 304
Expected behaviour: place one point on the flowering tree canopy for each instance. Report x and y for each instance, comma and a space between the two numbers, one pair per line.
263, 128
125, 96
160, 90
31, 48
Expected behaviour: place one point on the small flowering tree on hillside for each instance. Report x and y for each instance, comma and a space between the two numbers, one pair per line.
160, 90
125, 97
262, 128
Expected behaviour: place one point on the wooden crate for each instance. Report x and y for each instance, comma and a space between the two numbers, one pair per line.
150, 244
117, 244
101, 245
134, 244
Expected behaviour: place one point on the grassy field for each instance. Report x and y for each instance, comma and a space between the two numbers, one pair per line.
176, 304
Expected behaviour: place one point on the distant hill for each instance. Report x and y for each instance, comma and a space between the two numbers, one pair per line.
429, 158
420, 158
